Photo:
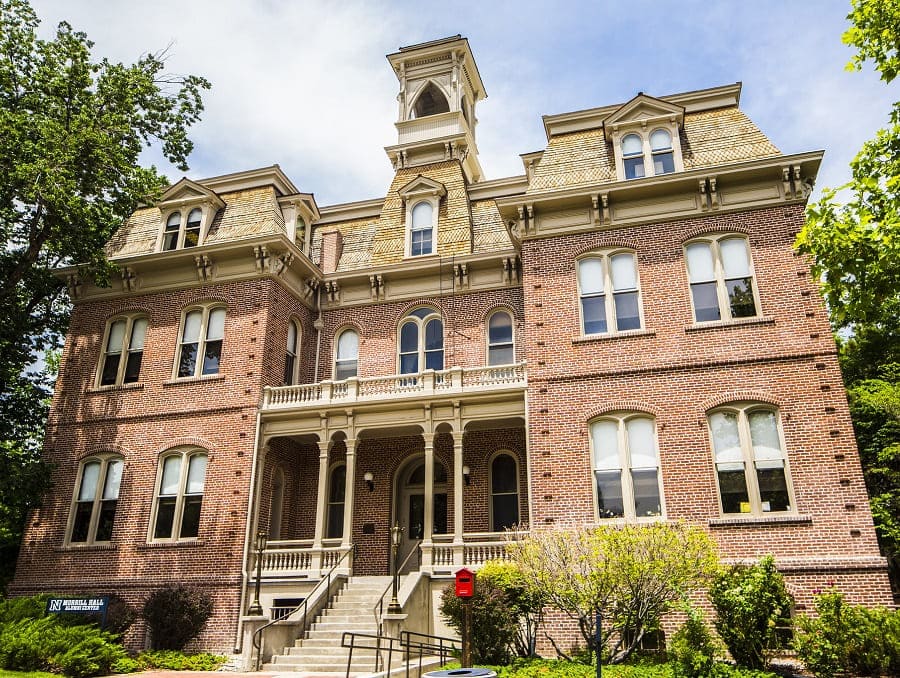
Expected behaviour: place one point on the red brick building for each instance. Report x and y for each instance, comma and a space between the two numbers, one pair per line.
622, 333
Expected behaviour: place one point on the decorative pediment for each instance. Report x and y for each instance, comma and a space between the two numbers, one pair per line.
186, 192
644, 108
422, 186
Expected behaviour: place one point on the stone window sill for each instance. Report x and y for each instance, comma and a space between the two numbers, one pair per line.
608, 336
135, 386
723, 324
194, 380
184, 543
69, 548
737, 521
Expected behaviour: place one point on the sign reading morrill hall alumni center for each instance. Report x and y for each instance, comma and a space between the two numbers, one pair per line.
77, 605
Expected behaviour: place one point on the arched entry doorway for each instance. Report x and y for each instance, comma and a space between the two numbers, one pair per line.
409, 505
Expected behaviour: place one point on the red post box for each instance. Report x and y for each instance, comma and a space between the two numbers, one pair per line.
465, 583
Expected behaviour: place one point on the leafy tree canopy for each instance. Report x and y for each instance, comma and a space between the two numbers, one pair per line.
71, 132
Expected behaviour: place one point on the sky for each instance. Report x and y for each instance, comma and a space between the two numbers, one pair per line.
305, 84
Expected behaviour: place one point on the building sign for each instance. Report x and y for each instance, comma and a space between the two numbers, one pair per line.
77, 605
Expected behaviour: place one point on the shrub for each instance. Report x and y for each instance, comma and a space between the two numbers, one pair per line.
525, 602
494, 626
848, 638
750, 602
16, 609
175, 615
693, 649
119, 615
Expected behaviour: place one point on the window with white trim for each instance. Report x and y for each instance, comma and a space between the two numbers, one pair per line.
200, 346
337, 487
643, 155
94, 504
346, 358
501, 349
633, 156
626, 466
751, 464
291, 363
609, 293
421, 229
182, 230
721, 278
504, 492
661, 152
123, 350
179, 496
421, 344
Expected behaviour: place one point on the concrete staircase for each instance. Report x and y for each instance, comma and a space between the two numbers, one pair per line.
320, 651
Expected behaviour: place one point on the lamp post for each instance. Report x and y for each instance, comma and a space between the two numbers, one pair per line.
261, 538
396, 535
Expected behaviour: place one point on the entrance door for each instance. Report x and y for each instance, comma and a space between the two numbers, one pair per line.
411, 509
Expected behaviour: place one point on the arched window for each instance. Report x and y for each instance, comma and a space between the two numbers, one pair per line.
721, 278
180, 495
337, 484
421, 342
421, 229
172, 231
608, 287
501, 350
291, 364
200, 349
277, 505
347, 355
751, 465
430, 102
504, 492
633, 156
192, 229
123, 351
94, 506
661, 150
626, 466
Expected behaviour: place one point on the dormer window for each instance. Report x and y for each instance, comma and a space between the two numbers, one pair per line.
430, 102
423, 198
422, 229
192, 229
661, 149
644, 137
187, 210
633, 156
181, 231
173, 229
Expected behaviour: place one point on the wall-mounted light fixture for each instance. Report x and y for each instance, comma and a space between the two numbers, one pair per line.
370, 480
466, 474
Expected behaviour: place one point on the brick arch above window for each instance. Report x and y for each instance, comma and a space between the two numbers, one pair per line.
411, 306
187, 441
97, 450
129, 310
633, 407
741, 396
494, 308
707, 232
607, 243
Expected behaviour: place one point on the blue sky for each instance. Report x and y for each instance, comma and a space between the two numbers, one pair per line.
305, 83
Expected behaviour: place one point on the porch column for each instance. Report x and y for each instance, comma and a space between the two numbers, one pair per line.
458, 499
347, 538
429, 488
321, 497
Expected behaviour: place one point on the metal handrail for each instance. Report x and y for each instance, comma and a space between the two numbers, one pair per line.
378, 608
443, 648
257, 635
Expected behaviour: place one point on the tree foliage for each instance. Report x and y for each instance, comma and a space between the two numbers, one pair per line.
631, 575
71, 131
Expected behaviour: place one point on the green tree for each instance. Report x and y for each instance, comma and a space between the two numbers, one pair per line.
71, 132
632, 575
854, 247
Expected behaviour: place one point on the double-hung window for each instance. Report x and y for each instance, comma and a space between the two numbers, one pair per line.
181, 231
721, 278
94, 506
180, 495
291, 364
421, 342
626, 467
501, 350
346, 358
123, 351
504, 492
200, 348
421, 232
608, 289
751, 465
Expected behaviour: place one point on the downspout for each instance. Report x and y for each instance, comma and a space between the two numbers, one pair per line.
318, 324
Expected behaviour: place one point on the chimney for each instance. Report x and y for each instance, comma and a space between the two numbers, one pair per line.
332, 245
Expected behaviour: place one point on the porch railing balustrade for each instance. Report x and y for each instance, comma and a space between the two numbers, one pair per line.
456, 380
298, 559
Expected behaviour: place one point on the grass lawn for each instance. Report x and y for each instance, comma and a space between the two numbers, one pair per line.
26, 674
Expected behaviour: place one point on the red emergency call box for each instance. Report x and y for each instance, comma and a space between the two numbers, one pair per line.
465, 583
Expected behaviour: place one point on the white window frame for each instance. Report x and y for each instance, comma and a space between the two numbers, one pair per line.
605, 257
492, 494
292, 373
422, 323
714, 242
487, 336
644, 129
337, 354
125, 350
185, 455
434, 203
202, 339
105, 461
626, 468
184, 212
743, 410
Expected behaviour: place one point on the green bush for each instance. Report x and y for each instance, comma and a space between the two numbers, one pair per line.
17, 609
643, 668
524, 600
750, 602
693, 649
169, 660
175, 615
848, 638
494, 626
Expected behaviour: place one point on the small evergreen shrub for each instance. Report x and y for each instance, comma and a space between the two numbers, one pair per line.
849, 639
16, 609
494, 626
169, 660
175, 615
693, 649
750, 603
